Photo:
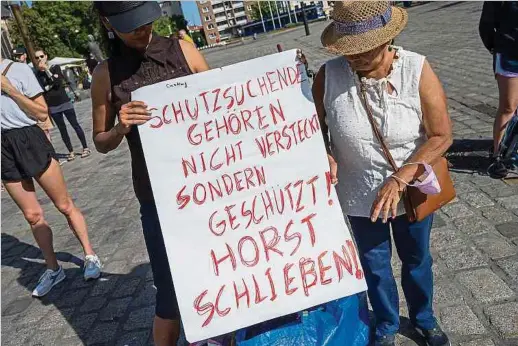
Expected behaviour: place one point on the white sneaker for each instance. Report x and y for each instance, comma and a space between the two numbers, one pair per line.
93, 267
48, 280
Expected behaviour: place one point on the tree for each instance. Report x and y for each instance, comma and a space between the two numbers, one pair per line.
61, 28
164, 26
265, 9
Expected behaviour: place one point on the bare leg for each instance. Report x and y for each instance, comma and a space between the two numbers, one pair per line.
53, 183
24, 196
165, 332
507, 105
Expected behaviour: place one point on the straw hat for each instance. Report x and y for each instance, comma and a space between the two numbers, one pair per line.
360, 26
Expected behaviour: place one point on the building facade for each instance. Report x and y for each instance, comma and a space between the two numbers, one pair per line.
7, 46
171, 8
222, 20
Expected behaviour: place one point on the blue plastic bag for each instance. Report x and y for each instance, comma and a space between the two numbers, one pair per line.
343, 322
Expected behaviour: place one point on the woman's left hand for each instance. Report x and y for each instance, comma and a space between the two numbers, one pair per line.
387, 200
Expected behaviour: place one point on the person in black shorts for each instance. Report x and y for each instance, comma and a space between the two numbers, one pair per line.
27, 155
137, 58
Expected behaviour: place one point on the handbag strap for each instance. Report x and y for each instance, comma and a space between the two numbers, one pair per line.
375, 128
7, 68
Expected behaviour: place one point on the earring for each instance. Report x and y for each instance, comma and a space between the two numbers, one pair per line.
111, 36
390, 48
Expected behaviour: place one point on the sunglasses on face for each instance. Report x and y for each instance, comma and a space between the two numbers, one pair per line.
39, 57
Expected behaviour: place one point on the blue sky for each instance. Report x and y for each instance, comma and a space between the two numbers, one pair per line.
190, 12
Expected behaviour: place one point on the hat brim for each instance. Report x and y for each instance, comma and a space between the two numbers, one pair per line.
356, 44
135, 18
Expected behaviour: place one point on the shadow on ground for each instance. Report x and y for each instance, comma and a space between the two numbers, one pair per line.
72, 296
470, 155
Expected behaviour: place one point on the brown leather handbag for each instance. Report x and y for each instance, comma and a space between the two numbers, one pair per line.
417, 204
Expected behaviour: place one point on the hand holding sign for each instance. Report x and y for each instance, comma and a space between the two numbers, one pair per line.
244, 195
133, 113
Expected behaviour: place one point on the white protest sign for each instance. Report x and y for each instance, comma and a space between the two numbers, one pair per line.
252, 225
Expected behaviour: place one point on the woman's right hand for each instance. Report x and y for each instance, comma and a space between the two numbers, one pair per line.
333, 169
133, 113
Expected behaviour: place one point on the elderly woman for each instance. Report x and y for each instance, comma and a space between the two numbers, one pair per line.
408, 105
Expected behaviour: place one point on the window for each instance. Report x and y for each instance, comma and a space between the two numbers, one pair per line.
202, 2
164, 13
205, 9
212, 36
210, 26
208, 18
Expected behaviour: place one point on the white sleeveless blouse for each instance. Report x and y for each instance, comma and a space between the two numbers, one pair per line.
362, 167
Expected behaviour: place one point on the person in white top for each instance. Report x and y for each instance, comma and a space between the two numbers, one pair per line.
28, 156
409, 106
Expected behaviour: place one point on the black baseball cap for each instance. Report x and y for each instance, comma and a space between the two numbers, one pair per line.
19, 51
126, 16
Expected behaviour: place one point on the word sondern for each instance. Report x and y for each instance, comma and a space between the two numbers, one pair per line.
251, 222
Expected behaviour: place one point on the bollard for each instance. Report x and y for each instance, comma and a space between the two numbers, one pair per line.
279, 47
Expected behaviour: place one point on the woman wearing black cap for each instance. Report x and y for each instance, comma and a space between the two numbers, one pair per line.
138, 57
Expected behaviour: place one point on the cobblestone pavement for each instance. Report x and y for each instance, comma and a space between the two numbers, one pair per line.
474, 239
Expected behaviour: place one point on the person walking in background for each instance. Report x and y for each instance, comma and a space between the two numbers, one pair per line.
408, 105
60, 106
137, 58
185, 36
498, 29
20, 55
27, 155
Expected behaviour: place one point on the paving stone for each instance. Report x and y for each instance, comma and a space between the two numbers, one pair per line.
56, 319
81, 324
104, 285
463, 187
477, 200
479, 342
485, 286
510, 202
438, 221
126, 287
92, 304
115, 309
118, 267
499, 191
43, 337
461, 320
446, 293
504, 318
510, 267
104, 332
17, 306
462, 257
457, 210
72, 298
473, 226
494, 245
463, 67
141, 318
134, 339
508, 229
497, 215
445, 238
145, 297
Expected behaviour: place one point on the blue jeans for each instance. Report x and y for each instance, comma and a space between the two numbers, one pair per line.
413, 247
